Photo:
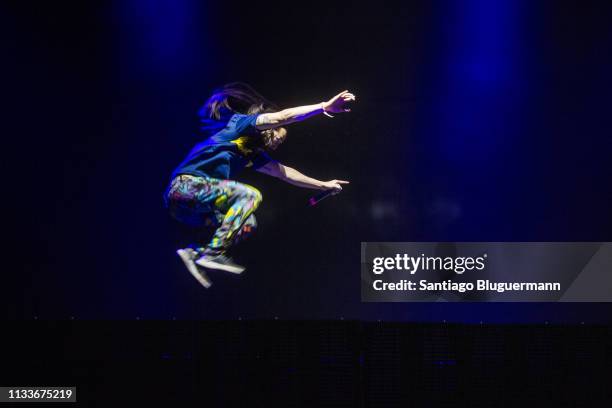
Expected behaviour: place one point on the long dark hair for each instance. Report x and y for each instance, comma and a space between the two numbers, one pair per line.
235, 97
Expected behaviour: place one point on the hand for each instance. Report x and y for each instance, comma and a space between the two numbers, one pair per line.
339, 102
335, 185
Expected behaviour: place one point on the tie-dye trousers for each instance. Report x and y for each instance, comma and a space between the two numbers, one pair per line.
226, 205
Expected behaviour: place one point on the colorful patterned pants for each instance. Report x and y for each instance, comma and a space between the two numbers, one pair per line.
226, 205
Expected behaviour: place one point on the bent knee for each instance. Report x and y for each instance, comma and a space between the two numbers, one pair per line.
254, 195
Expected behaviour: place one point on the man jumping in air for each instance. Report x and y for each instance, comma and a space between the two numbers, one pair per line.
242, 126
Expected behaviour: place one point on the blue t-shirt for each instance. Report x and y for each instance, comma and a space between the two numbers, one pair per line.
219, 156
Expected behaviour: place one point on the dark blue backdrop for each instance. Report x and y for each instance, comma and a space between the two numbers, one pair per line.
476, 120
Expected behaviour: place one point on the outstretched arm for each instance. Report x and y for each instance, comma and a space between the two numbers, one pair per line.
286, 116
292, 176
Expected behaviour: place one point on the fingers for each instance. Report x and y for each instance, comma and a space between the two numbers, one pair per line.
342, 97
345, 94
348, 98
338, 102
336, 186
341, 94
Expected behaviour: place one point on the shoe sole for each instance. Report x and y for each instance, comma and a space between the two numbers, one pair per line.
193, 268
214, 265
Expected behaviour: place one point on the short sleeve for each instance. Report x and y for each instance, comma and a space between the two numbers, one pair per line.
243, 124
261, 159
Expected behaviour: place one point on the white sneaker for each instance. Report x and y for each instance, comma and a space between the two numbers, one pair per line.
220, 262
188, 256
